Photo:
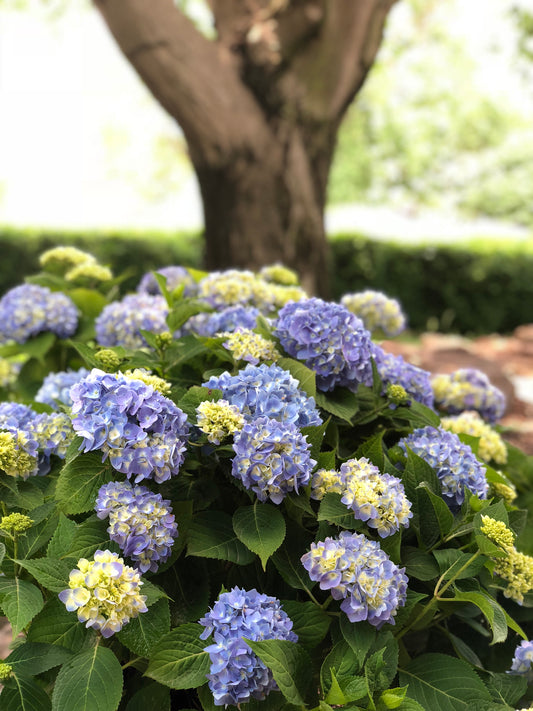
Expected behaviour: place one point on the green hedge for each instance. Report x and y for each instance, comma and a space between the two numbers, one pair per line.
479, 288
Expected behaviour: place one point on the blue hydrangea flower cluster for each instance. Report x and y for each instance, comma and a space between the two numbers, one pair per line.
29, 309
229, 319
15, 415
356, 570
468, 389
456, 465
377, 311
142, 523
143, 433
56, 387
394, 370
236, 674
328, 339
523, 660
271, 458
120, 322
175, 276
267, 391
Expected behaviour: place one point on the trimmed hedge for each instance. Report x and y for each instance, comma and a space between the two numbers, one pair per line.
479, 288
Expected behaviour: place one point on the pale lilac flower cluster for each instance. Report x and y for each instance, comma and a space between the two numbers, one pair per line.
29, 309
356, 570
267, 391
229, 319
271, 458
523, 660
394, 370
56, 387
236, 674
379, 499
54, 433
468, 389
142, 523
456, 465
104, 592
377, 311
328, 339
175, 276
143, 433
121, 322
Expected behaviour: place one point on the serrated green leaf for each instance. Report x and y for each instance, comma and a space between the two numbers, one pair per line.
289, 663
491, 610
24, 694
392, 698
416, 472
188, 587
61, 541
304, 375
182, 312
343, 659
315, 437
506, 688
196, 395
91, 535
442, 683
341, 402
211, 535
417, 415
89, 681
20, 601
179, 660
332, 510
456, 564
372, 449
55, 625
310, 622
79, 482
435, 517
261, 527
51, 573
419, 564
360, 636
335, 694
141, 634
32, 658
291, 569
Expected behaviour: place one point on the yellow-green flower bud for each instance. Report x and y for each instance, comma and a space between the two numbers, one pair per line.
498, 532
507, 493
16, 523
397, 394
5, 671
88, 271
219, 419
61, 258
108, 359
164, 340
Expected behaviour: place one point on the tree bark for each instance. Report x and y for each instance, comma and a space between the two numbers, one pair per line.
260, 108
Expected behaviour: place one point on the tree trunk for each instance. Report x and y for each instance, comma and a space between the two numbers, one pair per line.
265, 209
260, 107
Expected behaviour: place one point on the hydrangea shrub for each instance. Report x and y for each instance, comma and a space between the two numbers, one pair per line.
219, 492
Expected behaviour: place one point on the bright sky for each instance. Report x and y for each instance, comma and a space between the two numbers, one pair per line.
78, 129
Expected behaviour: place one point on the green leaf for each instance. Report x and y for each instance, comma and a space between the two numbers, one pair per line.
20, 601
39, 346
182, 312
79, 482
290, 665
416, 472
141, 634
87, 353
62, 538
91, 535
89, 301
496, 511
491, 610
90, 681
392, 698
354, 688
372, 449
46, 518
289, 565
417, 415
332, 509
335, 694
451, 560
342, 659
196, 395
360, 636
55, 625
442, 683
315, 437
261, 527
179, 660
325, 460
304, 375
30, 659
419, 564
2, 553
410, 705
211, 535
188, 587
51, 573
150, 696
310, 622
436, 519
506, 688
341, 402
24, 694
